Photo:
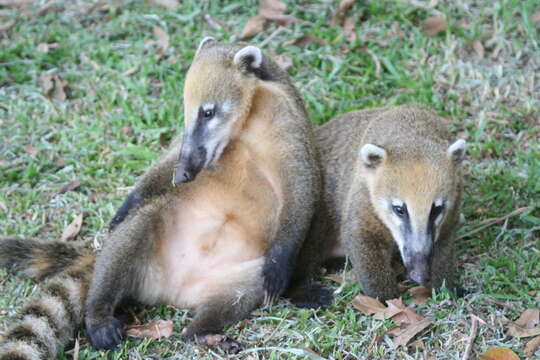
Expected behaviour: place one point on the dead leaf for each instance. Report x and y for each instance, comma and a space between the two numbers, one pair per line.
348, 27
434, 25
305, 40
152, 330
344, 5
531, 346
59, 93
526, 325
163, 38
71, 186
410, 331
518, 331
420, 294
478, 49
45, 80
530, 318
253, 26
274, 10
169, 4
73, 229
407, 316
30, 150
7, 25
395, 306
499, 353
535, 18
285, 62
368, 305
126, 130
418, 345
45, 47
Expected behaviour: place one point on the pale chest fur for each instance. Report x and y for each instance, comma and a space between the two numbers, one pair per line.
217, 231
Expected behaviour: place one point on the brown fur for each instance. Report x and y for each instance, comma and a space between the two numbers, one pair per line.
349, 219
219, 244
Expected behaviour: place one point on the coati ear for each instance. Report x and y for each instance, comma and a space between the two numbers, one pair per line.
204, 42
248, 59
456, 151
372, 155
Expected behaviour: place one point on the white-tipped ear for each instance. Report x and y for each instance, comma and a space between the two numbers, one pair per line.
204, 42
456, 151
372, 155
248, 57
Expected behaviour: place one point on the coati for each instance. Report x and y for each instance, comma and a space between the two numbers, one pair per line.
391, 186
215, 225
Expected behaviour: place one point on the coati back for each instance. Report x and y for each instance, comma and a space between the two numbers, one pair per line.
216, 224
392, 185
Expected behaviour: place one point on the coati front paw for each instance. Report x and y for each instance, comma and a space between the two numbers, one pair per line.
275, 281
311, 296
105, 335
218, 341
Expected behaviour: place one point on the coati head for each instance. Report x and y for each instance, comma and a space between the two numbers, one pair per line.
218, 92
415, 191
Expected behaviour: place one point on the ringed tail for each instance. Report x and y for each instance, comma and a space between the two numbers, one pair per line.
48, 323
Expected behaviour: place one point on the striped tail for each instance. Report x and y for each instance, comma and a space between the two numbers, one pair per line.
48, 323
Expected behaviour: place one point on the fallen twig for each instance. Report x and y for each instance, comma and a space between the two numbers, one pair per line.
271, 36
472, 335
488, 222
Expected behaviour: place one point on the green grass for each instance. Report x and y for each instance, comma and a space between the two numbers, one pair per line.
493, 102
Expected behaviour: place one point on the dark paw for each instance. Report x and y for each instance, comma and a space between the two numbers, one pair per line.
276, 275
106, 335
460, 291
219, 341
311, 296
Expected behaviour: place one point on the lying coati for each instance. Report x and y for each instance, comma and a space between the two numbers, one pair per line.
392, 186
215, 225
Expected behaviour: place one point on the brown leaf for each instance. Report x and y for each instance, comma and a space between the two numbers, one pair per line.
45, 80
72, 230
420, 294
344, 5
409, 332
395, 306
59, 93
71, 186
535, 18
434, 25
125, 130
305, 40
530, 318
418, 345
478, 49
368, 305
169, 4
499, 353
340, 278
30, 150
407, 316
348, 27
274, 10
163, 38
253, 26
7, 25
531, 346
518, 331
152, 330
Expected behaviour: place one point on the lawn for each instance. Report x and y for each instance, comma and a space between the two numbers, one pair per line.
91, 91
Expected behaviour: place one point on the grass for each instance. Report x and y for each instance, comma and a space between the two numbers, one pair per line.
112, 124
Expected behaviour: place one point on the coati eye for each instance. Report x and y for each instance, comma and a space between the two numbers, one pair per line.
208, 114
400, 211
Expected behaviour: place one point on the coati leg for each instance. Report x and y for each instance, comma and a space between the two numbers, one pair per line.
154, 182
443, 265
118, 269
216, 313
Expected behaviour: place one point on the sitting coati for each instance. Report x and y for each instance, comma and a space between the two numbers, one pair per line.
215, 225
391, 186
